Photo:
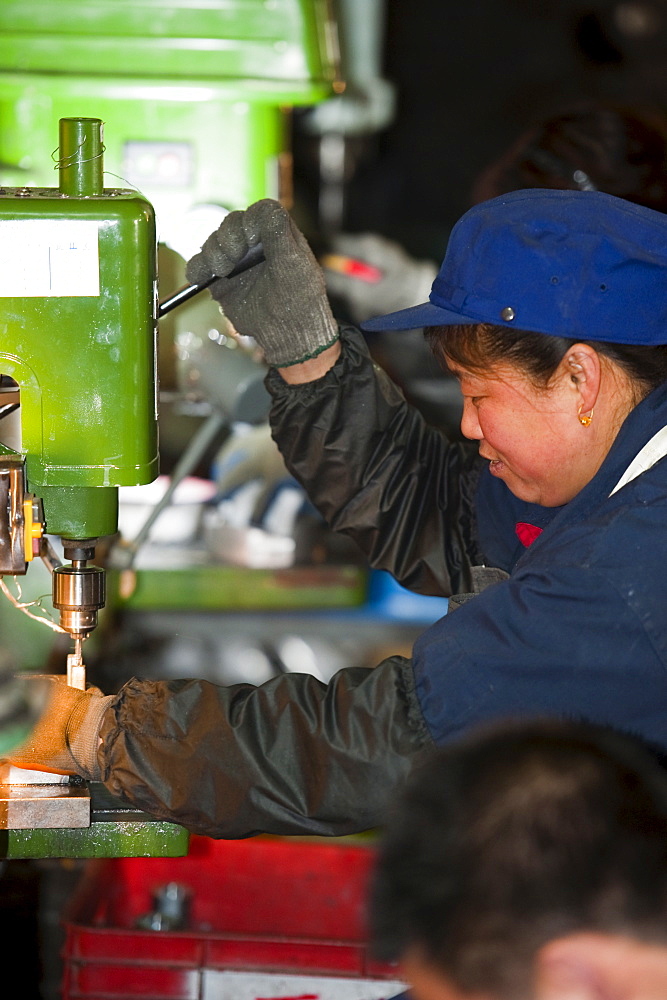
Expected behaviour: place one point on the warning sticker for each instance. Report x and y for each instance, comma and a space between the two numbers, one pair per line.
49, 257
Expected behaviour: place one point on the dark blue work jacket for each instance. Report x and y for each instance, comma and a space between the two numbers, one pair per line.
580, 627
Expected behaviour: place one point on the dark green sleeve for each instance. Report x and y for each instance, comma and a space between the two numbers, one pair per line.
292, 756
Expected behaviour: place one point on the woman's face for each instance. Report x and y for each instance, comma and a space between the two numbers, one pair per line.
531, 436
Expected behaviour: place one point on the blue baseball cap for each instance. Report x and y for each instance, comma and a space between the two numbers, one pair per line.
580, 264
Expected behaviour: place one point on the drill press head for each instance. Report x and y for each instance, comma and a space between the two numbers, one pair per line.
78, 591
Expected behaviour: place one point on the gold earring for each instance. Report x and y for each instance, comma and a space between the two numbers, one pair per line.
585, 419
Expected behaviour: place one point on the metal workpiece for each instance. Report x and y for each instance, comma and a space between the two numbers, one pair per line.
44, 807
38, 800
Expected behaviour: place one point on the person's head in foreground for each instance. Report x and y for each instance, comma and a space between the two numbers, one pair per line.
528, 862
550, 308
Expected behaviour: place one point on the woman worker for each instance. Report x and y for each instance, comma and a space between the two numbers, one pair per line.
551, 309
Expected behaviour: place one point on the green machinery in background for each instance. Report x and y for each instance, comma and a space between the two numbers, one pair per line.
193, 95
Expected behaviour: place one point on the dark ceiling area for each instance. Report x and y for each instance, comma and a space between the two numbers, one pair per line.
470, 78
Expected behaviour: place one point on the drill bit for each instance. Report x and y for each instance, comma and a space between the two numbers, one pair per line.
76, 670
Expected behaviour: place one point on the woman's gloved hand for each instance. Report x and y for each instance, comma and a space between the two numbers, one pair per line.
281, 302
65, 738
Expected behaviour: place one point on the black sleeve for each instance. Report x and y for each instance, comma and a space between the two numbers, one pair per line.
378, 473
292, 756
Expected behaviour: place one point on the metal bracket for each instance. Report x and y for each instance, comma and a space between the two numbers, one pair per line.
12, 517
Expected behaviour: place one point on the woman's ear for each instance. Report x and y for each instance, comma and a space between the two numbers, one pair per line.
582, 367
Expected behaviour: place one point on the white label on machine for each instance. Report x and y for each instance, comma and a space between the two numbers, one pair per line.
226, 985
49, 257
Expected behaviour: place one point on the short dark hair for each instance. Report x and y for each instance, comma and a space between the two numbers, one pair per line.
515, 836
476, 346
604, 146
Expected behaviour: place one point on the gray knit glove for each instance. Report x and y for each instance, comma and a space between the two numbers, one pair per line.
65, 737
281, 302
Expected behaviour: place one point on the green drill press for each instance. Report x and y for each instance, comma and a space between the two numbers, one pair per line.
78, 318
77, 336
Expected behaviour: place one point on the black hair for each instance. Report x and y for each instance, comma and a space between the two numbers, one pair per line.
598, 146
518, 835
537, 355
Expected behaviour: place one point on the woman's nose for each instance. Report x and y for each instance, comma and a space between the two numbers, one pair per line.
469, 421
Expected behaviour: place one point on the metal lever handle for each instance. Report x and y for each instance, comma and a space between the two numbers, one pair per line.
254, 256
